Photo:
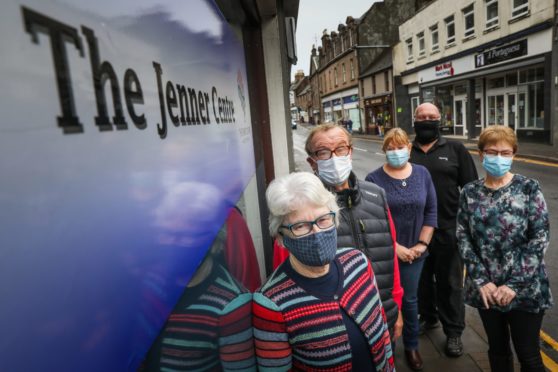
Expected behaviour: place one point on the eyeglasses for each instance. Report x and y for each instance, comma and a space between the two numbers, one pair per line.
305, 227
505, 153
325, 154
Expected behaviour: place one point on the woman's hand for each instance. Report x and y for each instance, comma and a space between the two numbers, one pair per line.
487, 294
405, 254
504, 295
418, 250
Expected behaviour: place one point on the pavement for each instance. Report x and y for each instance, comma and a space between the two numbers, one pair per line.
433, 342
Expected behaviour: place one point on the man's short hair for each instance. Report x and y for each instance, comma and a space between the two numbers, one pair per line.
324, 128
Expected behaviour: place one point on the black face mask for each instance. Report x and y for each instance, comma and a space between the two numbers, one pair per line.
427, 131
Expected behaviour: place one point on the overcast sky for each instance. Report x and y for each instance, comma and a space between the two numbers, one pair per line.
316, 15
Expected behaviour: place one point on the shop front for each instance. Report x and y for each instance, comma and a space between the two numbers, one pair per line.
507, 84
378, 114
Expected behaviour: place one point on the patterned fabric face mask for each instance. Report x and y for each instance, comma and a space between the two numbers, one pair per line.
316, 249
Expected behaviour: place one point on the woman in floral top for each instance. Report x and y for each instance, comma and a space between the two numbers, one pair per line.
503, 233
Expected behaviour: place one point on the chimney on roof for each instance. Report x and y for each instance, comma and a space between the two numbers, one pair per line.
299, 76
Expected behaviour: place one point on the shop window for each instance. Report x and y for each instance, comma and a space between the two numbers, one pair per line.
421, 45
511, 79
335, 76
469, 20
450, 30
531, 75
491, 14
498, 82
409, 43
496, 110
519, 8
344, 71
460, 90
434, 37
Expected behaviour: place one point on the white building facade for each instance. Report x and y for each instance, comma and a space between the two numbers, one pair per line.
482, 62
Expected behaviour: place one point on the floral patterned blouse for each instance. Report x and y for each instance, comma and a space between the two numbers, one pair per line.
503, 235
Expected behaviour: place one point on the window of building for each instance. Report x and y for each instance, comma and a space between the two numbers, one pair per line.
330, 86
519, 7
434, 37
373, 84
344, 71
450, 30
491, 13
350, 38
352, 70
342, 43
386, 80
469, 20
409, 43
421, 46
335, 76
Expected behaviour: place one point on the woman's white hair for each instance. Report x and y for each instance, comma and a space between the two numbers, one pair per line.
294, 191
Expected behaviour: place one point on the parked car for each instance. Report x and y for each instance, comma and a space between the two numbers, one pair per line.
293, 124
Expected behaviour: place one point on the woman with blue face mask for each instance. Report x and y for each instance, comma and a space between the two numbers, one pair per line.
320, 309
503, 233
412, 200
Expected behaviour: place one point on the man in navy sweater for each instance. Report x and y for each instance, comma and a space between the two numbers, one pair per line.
441, 284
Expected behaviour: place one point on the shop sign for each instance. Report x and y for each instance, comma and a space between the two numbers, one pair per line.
374, 101
337, 102
327, 104
350, 99
501, 54
444, 69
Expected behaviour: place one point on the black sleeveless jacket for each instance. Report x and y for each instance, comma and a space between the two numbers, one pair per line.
364, 224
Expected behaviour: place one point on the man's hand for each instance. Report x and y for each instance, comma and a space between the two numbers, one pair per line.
487, 294
504, 295
398, 327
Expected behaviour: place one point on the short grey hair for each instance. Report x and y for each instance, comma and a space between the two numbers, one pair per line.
291, 192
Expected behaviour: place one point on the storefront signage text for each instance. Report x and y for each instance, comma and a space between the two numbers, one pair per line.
500, 54
183, 105
444, 69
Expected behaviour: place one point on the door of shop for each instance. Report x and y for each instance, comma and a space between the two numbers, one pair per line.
511, 110
460, 116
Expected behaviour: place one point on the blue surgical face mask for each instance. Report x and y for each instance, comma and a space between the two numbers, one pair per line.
316, 249
397, 158
335, 170
496, 165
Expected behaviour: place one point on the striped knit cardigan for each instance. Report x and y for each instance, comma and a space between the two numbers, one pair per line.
294, 330
210, 329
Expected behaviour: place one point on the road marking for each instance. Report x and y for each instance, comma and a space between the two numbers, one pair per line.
359, 149
549, 363
525, 160
549, 340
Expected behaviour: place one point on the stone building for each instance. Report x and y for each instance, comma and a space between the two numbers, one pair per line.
378, 31
338, 74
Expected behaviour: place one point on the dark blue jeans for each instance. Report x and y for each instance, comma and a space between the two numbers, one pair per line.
410, 275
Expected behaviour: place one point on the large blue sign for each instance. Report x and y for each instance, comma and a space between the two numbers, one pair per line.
125, 138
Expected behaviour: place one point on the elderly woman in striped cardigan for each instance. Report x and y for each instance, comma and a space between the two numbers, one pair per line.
321, 308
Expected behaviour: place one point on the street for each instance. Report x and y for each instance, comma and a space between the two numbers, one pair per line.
368, 155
